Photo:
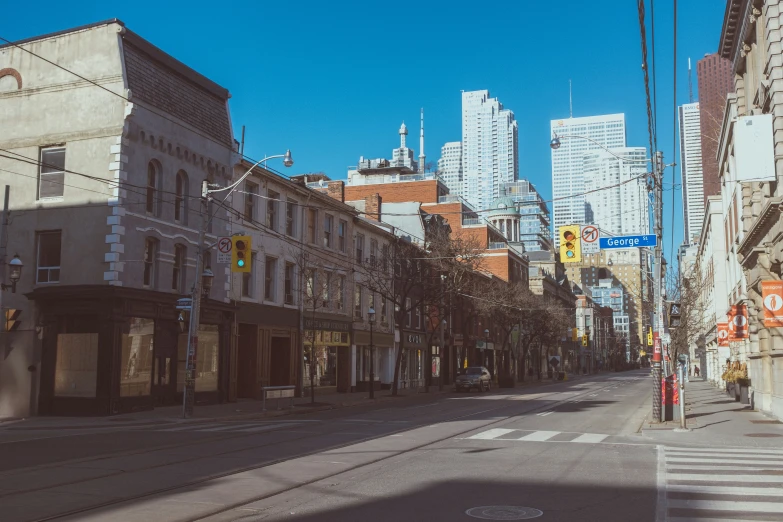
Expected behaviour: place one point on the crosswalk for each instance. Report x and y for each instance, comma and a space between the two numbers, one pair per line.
729, 484
538, 436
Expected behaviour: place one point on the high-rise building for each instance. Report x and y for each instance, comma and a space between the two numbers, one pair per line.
489, 148
450, 166
691, 170
534, 222
607, 131
716, 81
616, 191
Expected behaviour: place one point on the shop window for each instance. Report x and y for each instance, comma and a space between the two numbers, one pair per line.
207, 358
76, 369
137, 358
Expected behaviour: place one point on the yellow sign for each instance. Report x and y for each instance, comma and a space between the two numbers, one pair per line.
642, 353
650, 337
241, 258
570, 244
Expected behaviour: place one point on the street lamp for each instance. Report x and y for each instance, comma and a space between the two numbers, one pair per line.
15, 273
371, 317
204, 283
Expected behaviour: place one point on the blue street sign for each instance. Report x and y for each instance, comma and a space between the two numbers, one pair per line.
645, 240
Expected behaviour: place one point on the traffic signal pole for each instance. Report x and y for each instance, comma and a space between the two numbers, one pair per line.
657, 178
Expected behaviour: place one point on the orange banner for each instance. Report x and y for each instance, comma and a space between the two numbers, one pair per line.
738, 323
723, 334
772, 294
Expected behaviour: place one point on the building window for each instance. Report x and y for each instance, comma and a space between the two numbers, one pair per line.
328, 221
290, 218
384, 318
312, 217
289, 283
248, 283
417, 316
251, 192
76, 366
359, 249
150, 260
271, 209
372, 304
342, 230
270, 281
326, 290
51, 174
153, 178
357, 302
137, 357
310, 284
178, 274
373, 252
48, 262
341, 292
181, 198
207, 358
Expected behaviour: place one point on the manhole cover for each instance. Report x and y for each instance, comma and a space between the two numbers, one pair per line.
763, 435
504, 512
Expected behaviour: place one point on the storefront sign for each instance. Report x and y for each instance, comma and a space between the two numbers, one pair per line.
328, 338
326, 324
772, 294
458, 340
414, 339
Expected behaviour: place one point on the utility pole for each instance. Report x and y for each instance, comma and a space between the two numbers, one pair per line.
3, 248
658, 306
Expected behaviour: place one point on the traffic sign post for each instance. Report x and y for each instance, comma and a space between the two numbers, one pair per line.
590, 237
224, 250
643, 240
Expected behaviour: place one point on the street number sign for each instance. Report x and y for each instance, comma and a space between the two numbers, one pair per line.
224, 250
590, 243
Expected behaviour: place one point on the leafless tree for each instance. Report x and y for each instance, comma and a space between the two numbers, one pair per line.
688, 289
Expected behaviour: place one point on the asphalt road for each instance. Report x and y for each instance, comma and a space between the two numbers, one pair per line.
570, 450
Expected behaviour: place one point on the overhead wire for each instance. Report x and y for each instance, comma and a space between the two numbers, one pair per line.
674, 131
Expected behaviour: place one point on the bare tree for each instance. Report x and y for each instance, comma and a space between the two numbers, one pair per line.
687, 289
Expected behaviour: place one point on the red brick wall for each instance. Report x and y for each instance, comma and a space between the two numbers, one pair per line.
421, 191
372, 206
715, 81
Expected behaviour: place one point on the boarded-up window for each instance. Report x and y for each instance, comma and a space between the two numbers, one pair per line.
76, 369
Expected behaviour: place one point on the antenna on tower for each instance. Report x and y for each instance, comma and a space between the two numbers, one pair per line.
690, 83
570, 101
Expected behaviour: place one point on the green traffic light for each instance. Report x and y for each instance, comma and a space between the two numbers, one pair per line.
240, 263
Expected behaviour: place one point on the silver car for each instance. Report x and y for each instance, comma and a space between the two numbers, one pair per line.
474, 377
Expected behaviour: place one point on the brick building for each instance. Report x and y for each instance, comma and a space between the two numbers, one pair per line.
715, 82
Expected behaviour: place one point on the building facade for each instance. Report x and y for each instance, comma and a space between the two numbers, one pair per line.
715, 81
691, 169
450, 166
617, 200
534, 222
489, 148
607, 131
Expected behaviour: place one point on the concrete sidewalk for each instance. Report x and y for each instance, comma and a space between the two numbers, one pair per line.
715, 419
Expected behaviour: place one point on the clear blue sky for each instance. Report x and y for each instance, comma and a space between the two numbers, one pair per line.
332, 81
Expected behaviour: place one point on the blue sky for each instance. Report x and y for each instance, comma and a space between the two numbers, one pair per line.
332, 81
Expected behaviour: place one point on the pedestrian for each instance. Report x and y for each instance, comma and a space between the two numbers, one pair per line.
696, 370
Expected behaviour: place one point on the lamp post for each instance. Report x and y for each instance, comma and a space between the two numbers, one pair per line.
371, 317
189, 391
443, 324
486, 346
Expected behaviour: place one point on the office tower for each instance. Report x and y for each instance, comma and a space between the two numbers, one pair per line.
691, 170
715, 81
489, 148
568, 183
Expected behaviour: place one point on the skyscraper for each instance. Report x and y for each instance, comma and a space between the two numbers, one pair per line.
568, 181
691, 169
489, 148
450, 166
616, 199
716, 81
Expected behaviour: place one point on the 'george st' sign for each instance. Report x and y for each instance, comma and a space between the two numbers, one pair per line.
644, 240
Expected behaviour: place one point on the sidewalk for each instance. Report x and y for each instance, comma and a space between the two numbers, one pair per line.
715, 419
244, 409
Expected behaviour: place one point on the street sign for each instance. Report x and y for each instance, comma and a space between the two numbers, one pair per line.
554, 360
590, 235
772, 295
224, 250
644, 240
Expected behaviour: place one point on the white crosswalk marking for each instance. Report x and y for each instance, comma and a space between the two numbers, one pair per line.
540, 436
590, 438
491, 434
507, 435
728, 484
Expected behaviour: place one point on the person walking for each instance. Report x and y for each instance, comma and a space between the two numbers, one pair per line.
696, 370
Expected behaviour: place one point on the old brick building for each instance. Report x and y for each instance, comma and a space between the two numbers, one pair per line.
715, 82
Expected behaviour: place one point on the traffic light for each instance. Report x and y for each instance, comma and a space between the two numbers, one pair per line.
585, 340
650, 337
570, 244
240, 254
12, 321
674, 315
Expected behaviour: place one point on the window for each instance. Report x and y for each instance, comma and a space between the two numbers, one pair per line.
384, 318
328, 221
137, 357
248, 283
373, 252
48, 267
359, 248
341, 292
408, 312
418, 317
312, 217
357, 302
342, 229
326, 290
271, 209
181, 198
150, 260
251, 192
51, 175
178, 274
270, 269
289, 283
207, 358
290, 218
76, 367
310, 284
153, 177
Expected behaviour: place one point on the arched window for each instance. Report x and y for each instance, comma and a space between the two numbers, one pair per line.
153, 181
181, 198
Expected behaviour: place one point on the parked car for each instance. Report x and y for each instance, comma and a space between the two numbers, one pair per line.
474, 377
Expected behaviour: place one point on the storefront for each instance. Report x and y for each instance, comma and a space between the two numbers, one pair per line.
486, 356
413, 359
327, 353
379, 348
108, 350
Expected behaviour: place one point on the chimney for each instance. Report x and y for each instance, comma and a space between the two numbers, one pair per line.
372, 206
336, 190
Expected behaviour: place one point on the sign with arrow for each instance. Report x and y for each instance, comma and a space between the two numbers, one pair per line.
590, 237
224, 250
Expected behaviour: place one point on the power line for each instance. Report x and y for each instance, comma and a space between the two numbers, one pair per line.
674, 126
654, 81
645, 68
